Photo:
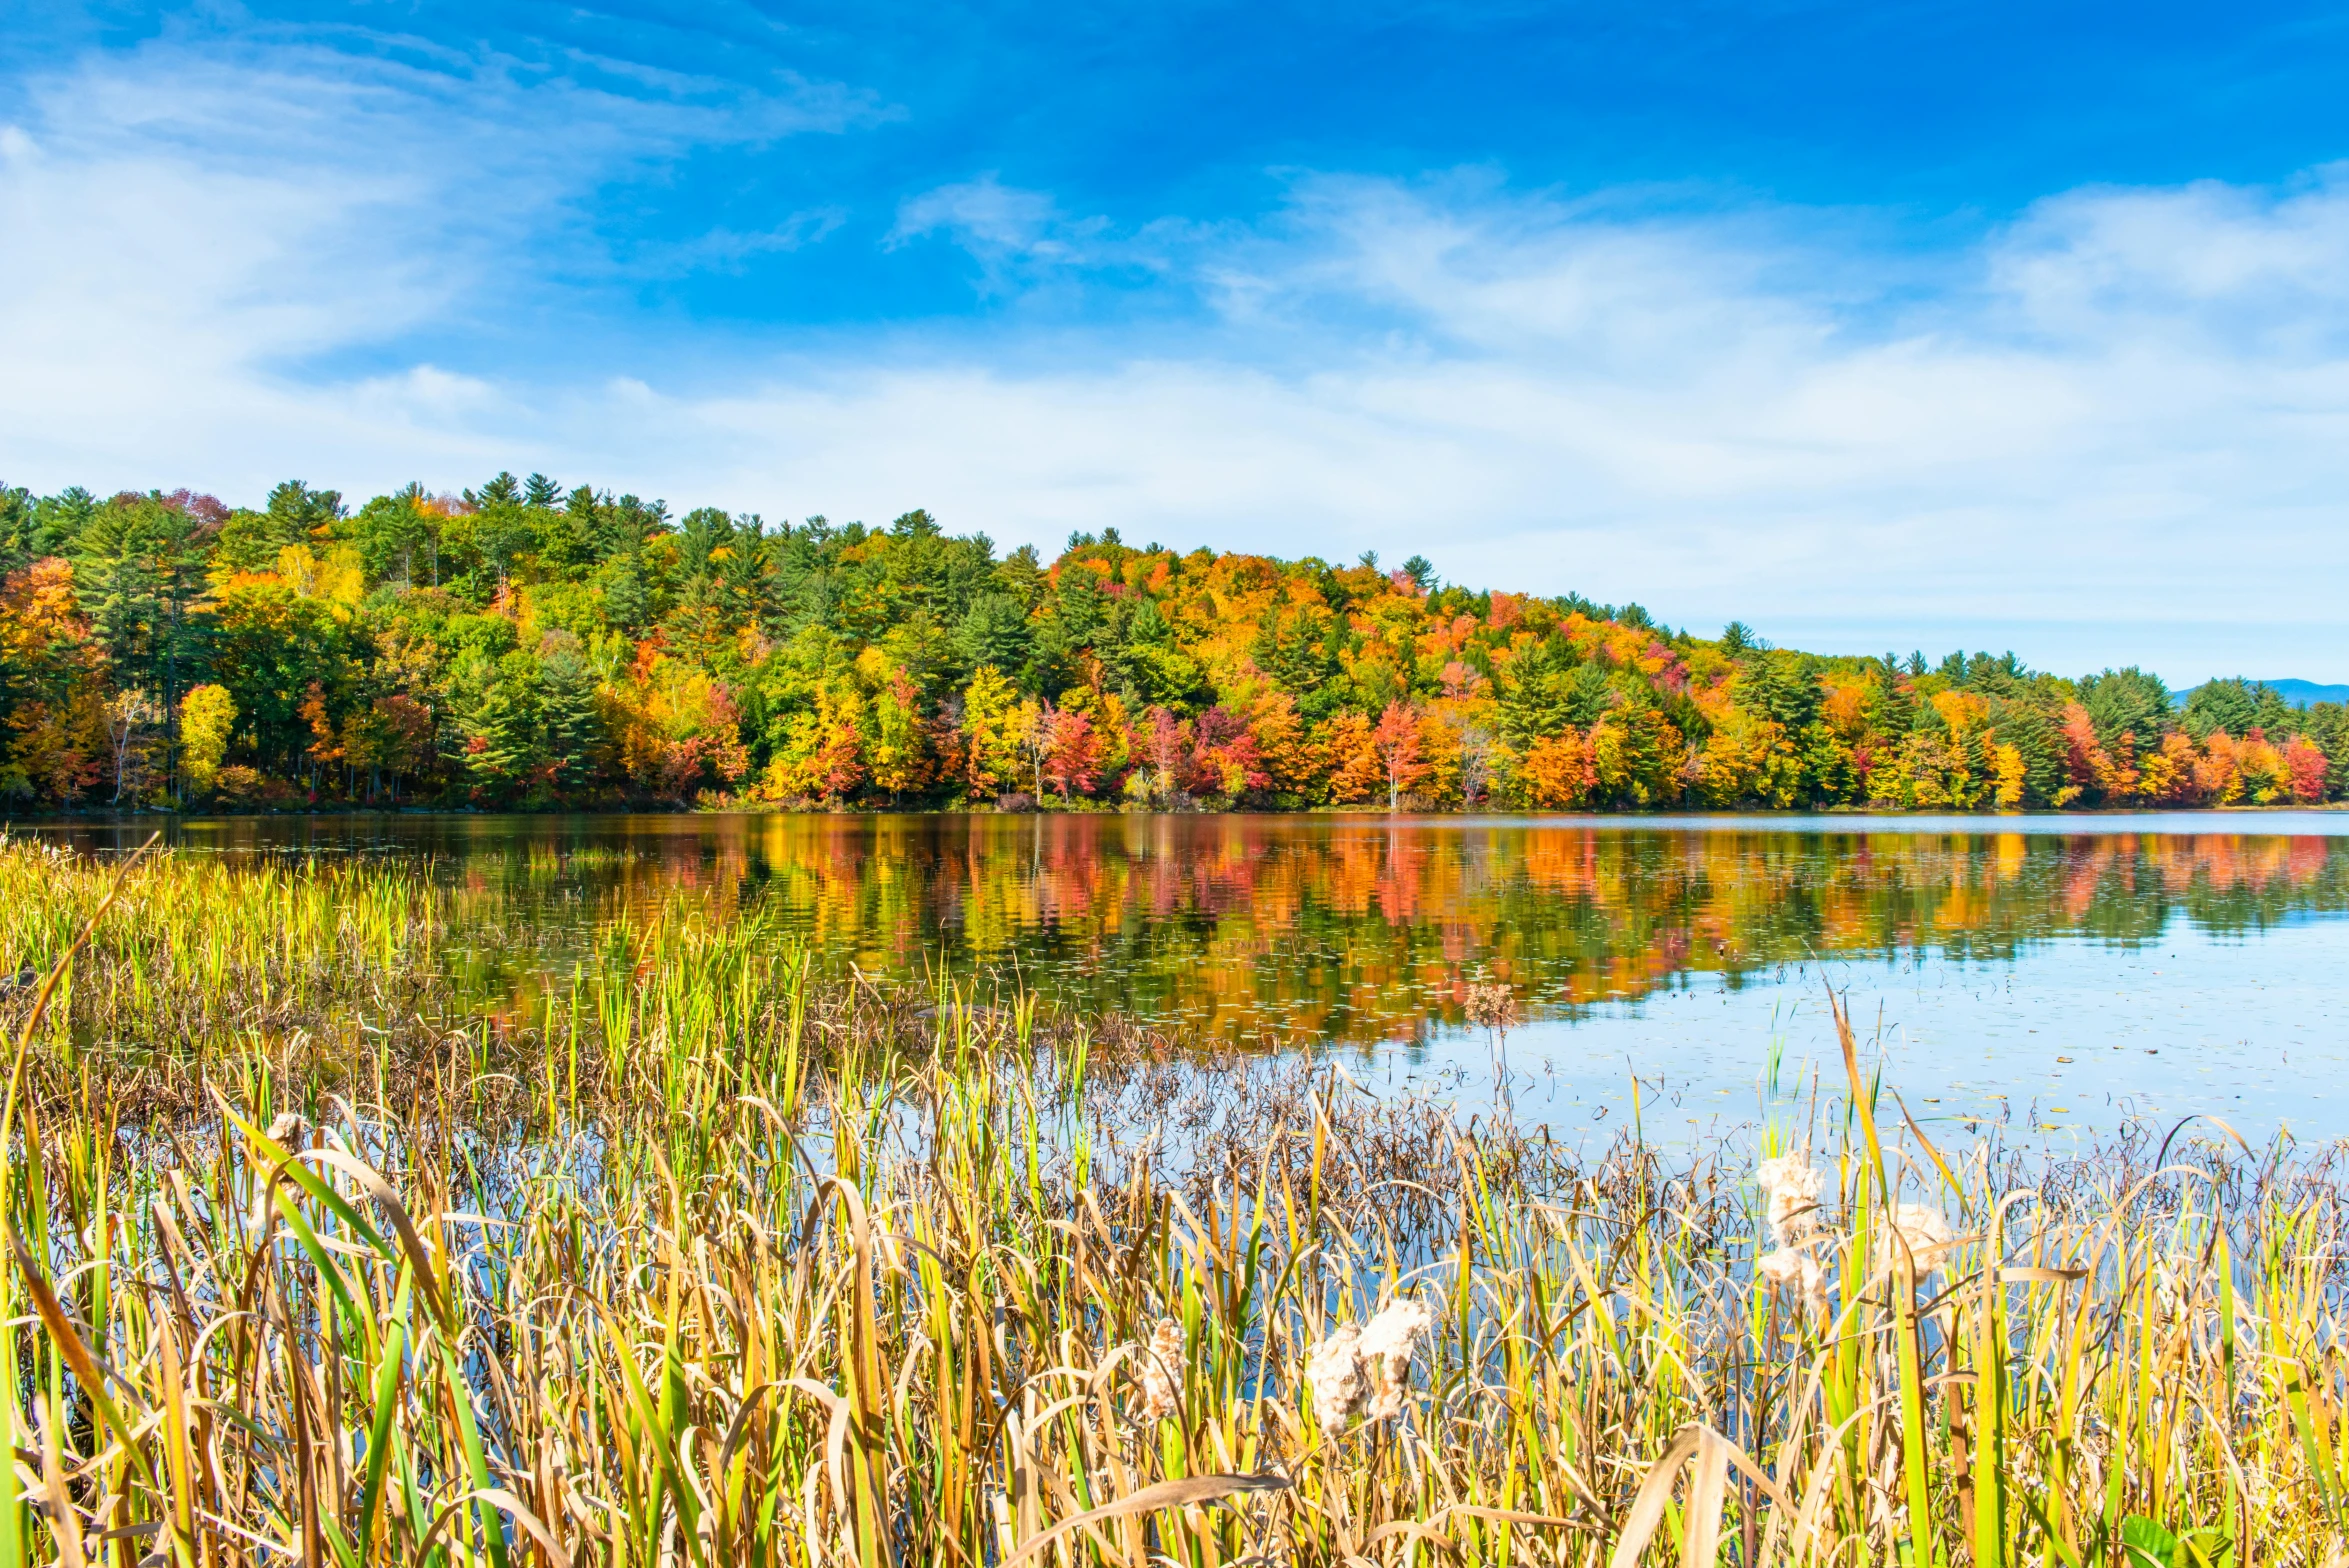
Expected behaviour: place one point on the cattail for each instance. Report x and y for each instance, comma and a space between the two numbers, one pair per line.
1790, 1195
1387, 1345
1492, 1005
2173, 1292
1334, 1371
1366, 1371
1920, 1231
288, 1130
1161, 1356
1793, 1273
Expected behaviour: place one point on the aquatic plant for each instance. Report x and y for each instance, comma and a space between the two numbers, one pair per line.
731, 1264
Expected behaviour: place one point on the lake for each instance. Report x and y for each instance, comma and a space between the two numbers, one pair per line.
2051, 976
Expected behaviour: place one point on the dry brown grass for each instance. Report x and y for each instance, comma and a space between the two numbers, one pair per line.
738, 1267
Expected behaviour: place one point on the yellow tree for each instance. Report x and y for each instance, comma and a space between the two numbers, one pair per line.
822, 755
206, 715
995, 728
896, 743
1108, 728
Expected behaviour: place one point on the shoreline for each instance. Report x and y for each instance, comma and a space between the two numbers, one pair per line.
981, 809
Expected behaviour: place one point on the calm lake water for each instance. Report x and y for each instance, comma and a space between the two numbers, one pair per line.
2052, 975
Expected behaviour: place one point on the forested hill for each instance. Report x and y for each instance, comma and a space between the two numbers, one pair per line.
526, 646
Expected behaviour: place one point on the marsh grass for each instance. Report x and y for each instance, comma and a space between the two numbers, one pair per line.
701, 1258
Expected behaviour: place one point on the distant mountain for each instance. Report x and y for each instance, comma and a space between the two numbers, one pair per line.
2300, 694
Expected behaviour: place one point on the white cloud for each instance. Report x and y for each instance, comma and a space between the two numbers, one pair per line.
2113, 428
728, 250
1668, 410
196, 229
1026, 245
985, 215
2210, 263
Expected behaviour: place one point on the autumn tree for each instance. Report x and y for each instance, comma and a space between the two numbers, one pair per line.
994, 731
531, 645
1072, 758
206, 715
1224, 760
1399, 743
52, 698
1558, 773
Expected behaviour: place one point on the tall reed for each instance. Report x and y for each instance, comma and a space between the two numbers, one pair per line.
709, 1260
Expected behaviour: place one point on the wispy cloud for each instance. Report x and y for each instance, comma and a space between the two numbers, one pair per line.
1025, 245
210, 230
992, 219
730, 250
2124, 410
2126, 405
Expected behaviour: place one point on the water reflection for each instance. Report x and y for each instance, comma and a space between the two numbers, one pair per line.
1349, 928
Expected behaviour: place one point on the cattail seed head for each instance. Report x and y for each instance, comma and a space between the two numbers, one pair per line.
1334, 1371
1366, 1372
1161, 1357
1790, 1187
1388, 1343
1491, 1005
1922, 1232
1792, 1273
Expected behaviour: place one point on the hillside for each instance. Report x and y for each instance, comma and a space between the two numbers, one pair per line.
2296, 693
527, 646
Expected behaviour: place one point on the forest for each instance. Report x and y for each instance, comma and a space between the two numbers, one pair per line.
527, 647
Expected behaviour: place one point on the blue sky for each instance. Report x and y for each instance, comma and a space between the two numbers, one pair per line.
1876, 326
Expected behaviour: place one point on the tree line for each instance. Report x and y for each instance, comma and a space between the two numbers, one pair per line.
523, 645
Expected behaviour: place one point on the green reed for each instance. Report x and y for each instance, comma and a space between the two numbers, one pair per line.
704, 1258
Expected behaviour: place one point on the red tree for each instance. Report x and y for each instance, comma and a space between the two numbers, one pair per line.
1224, 759
2307, 766
1401, 744
1072, 757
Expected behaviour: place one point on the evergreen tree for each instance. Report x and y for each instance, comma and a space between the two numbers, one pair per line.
1896, 699
2027, 728
58, 520
2328, 725
1589, 693
2276, 716
395, 538
2127, 702
1294, 648
300, 513
1076, 615
116, 578
567, 709
2229, 705
1784, 688
994, 632
502, 529
502, 735
631, 595
1544, 691
16, 529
